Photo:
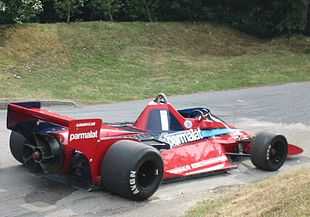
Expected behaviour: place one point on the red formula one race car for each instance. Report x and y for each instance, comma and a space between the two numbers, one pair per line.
131, 159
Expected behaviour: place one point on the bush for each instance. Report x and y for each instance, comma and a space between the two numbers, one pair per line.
264, 18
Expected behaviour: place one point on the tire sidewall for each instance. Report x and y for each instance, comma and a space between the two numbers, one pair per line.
138, 191
121, 164
17, 142
271, 165
261, 151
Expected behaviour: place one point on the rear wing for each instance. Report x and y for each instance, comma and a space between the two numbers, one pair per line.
19, 114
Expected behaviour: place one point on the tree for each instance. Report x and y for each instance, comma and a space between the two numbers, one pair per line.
184, 9
49, 13
149, 7
294, 17
19, 10
104, 8
110, 7
144, 8
306, 16
67, 8
2, 6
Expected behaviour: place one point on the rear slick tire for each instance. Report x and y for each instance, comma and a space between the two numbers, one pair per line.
17, 142
132, 170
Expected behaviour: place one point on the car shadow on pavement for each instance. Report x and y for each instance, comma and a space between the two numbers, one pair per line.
42, 194
34, 187
26, 194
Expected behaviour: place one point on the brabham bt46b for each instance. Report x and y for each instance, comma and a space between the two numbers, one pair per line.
131, 159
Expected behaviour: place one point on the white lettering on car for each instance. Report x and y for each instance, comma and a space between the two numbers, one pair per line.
179, 138
132, 183
180, 169
209, 163
86, 135
86, 124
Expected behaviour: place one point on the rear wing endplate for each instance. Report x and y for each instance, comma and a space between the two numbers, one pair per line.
79, 129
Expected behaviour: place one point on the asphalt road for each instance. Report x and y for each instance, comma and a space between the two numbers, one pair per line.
284, 109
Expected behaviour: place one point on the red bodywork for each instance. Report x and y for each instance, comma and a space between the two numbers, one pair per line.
92, 138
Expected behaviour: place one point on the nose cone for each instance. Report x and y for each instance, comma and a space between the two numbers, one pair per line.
294, 150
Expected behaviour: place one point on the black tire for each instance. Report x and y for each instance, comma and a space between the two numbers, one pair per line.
269, 151
132, 170
20, 151
17, 142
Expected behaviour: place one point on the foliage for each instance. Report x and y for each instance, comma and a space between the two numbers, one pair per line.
2, 6
260, 17
19, 10
68, 8
272, 17
103, 9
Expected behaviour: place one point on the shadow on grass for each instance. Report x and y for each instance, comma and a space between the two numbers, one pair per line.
4, 37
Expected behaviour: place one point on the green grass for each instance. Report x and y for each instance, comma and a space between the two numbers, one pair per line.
286, 195
103, 62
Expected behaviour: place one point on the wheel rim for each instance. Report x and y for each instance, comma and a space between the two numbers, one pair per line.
43, 154
147, 174
277, 153
31, 157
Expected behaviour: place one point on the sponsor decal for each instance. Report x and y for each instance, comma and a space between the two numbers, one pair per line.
179, 138
206, 170
188, 124
87, 124
268, 152
132, 183
180, 170
207, 162
216, 132
87, 135
213, 162
182, 137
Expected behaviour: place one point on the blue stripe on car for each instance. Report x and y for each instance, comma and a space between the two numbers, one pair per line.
215, 132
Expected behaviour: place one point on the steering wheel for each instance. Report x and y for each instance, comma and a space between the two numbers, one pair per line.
198, 114
161, 98
206, 111
201, 114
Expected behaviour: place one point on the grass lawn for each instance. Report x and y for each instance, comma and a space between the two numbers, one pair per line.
96, 62
286, 195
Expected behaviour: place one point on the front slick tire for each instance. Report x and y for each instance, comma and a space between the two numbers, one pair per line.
269, 151
132, 170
